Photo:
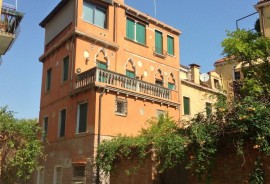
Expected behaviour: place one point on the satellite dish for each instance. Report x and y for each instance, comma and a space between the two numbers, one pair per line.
204, 77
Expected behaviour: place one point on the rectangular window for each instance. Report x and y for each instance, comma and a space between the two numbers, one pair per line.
62, 122
186, 106
208, 108
82, 118
160, 113
79, 171
135, 31
171, 86
65, 68
94, 14
57, 178
45, 128
216, 84
121, 107
130, 74
158, 42
237, 75
170, 45
48, 79
40, 175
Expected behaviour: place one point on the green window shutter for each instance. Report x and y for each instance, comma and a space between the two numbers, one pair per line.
158, 42
65, 68
102, 65
88, 12
130, 74
45, 128
82, 118
100, 17
171, 86
208, 109
140, 33
170, 45
130, 28
186, 106
48, 79
62, 122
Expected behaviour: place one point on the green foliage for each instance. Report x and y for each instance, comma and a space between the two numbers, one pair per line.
257, 177
20, 147
244, 121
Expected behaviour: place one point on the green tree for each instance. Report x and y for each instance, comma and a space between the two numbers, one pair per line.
19, 147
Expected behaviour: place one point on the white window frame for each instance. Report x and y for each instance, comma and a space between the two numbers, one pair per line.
124, 101
55, 176
39, 179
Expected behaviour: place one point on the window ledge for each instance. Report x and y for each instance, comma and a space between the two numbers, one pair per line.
81, 134
170, 55
105, 29
163, 56
120, 114
136, 42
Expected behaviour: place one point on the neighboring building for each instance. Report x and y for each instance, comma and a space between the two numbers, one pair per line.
107, 69
9, 25
263, 7
199, 91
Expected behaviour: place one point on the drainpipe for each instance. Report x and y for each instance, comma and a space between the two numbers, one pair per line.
99, 129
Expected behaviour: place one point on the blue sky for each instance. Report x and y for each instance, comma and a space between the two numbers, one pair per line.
203, 23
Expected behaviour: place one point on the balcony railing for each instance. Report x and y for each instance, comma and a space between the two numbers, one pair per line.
90, 77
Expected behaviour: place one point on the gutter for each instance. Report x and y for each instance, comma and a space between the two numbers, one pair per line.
99, 129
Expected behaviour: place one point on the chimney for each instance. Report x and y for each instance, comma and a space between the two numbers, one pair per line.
195, 73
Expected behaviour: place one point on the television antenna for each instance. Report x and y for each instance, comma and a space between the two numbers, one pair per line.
204, 77
155, 7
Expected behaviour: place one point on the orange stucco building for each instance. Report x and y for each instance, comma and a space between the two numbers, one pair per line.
107, 69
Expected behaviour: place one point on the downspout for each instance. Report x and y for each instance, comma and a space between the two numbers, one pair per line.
115, 32
99, 130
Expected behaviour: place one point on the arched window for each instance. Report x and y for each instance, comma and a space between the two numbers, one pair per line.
101, 60
159, 78
130, 70
171, 82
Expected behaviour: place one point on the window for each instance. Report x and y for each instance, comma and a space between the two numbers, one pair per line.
186, 106
237, 75
216, 84
121, 107
208, 109
94, 14
48, 79
160, 113
40, 175
82, 118
65, 68
102, 65
170, 45
159, 82
57, 178
79, 171
135, 31
158, 42
45, 128
62, 122
130, 74
171, 86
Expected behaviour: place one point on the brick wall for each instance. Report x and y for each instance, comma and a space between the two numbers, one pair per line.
230, 168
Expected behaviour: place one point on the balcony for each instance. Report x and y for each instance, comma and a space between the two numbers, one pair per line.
9, 26
96, 76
